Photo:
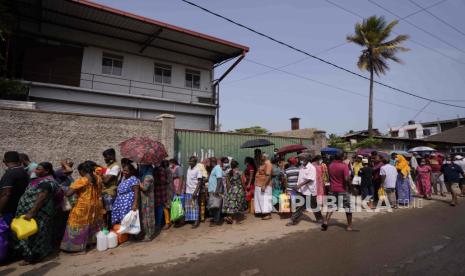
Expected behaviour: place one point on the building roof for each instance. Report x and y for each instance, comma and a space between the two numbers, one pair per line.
298, 133
443, 121
454, 135
400, 139
87, 16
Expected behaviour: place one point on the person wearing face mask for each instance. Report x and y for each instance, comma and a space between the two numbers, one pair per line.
452, 172
423, 179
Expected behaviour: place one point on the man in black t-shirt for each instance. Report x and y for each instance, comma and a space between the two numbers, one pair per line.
12, 185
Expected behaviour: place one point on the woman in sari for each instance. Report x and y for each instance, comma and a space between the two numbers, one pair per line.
127, 198
147, 202
86, 217
320, 185
423, 177
38, 203
234, 199
403, 182
249, 180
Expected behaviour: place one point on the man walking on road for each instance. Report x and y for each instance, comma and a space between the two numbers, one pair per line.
452, 174
306, 190
388, 179
339, 178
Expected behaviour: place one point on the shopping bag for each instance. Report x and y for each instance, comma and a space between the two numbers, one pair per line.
177, 210
284, 203
381, 194
357, 180
130, 223
215, 202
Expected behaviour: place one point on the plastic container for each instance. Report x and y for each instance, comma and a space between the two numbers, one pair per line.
122, 238
112, 238
102, 243
24, 228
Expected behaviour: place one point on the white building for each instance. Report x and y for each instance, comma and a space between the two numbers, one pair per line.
413, 130
79, 56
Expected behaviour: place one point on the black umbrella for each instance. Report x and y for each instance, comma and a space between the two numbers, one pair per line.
256, 143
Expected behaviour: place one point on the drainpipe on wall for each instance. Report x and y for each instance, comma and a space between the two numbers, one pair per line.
216, 88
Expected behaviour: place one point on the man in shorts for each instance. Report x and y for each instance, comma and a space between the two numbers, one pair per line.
339, 178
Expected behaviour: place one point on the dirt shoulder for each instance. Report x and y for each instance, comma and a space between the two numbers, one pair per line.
178, 245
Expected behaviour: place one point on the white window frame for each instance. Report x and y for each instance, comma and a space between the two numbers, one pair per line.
192, 73
113, 58
163, 67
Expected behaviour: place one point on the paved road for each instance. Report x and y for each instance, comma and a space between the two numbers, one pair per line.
427, 241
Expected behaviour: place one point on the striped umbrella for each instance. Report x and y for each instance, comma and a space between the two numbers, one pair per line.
143, 150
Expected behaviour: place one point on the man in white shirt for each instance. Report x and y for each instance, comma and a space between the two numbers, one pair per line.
193, 181
460, 161
306, 190
388, 181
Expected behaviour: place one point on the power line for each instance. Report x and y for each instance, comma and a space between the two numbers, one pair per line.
334, 86
417, 27
286, 65
410, 40
317, 58
438, 18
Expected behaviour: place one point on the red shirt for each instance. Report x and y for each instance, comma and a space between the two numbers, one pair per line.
338, 172
435, 164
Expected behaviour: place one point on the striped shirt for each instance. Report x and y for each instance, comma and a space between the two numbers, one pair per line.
292, 175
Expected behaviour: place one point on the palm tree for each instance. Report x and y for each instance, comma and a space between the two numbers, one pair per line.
373, 34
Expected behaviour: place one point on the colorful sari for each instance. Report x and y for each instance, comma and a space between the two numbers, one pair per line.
403, 182
124, 199
424, 180
39, 245
276, 176
86, 217
320, 185
234, 199
147, 207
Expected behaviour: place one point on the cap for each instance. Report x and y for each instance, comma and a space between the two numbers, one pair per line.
458, 157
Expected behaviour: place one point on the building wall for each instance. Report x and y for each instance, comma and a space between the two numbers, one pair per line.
53, 136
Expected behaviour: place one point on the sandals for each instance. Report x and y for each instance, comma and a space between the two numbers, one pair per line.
324, 227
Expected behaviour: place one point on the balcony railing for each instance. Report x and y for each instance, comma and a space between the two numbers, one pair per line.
132, 87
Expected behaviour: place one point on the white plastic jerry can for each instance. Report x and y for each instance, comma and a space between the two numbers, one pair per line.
112, 240
102, 242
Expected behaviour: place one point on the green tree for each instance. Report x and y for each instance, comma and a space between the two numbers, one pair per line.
337, 142
252, 130
373, 34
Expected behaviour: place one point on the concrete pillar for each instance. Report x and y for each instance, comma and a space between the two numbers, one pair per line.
167, 132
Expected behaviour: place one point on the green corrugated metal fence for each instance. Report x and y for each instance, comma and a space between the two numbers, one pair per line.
204, 144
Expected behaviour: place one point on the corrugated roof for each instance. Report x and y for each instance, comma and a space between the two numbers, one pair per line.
454, 135
298, 133
87, 16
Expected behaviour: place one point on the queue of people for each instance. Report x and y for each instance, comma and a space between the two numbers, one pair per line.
69, 212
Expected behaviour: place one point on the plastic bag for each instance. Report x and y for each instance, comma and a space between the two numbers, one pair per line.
284, 203
381, 194
4, 229
413, 187
130, 223
177, 211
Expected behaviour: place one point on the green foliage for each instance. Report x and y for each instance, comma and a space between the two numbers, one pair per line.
337, 142
13, 90
373, 34
252, 130
367, 143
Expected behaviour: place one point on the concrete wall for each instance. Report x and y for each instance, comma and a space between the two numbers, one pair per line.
53, 136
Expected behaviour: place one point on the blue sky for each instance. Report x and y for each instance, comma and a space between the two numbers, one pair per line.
270, 99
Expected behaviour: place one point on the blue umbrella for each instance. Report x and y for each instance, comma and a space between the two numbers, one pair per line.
330, 151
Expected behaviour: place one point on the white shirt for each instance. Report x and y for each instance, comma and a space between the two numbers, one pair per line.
306, 173
114, 170
192, 179
390, 172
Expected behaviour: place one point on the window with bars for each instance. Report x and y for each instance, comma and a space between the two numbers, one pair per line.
112, 64
162, 73
192, 79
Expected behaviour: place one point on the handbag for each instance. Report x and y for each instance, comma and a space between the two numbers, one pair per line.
177, 210
130, 223
357, 180
215, 202
413, 187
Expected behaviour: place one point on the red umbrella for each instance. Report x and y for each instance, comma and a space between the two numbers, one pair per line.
143, 150
292, 148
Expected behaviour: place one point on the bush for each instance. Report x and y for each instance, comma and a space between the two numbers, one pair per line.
13, 90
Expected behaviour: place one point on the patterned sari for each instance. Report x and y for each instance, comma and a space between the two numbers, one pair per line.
234, 199
124, 200
86, 218
424, 180
39, 245
147, 207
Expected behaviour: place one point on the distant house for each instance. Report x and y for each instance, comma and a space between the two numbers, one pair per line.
84, 57
454, 135
317, 136
414, 130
